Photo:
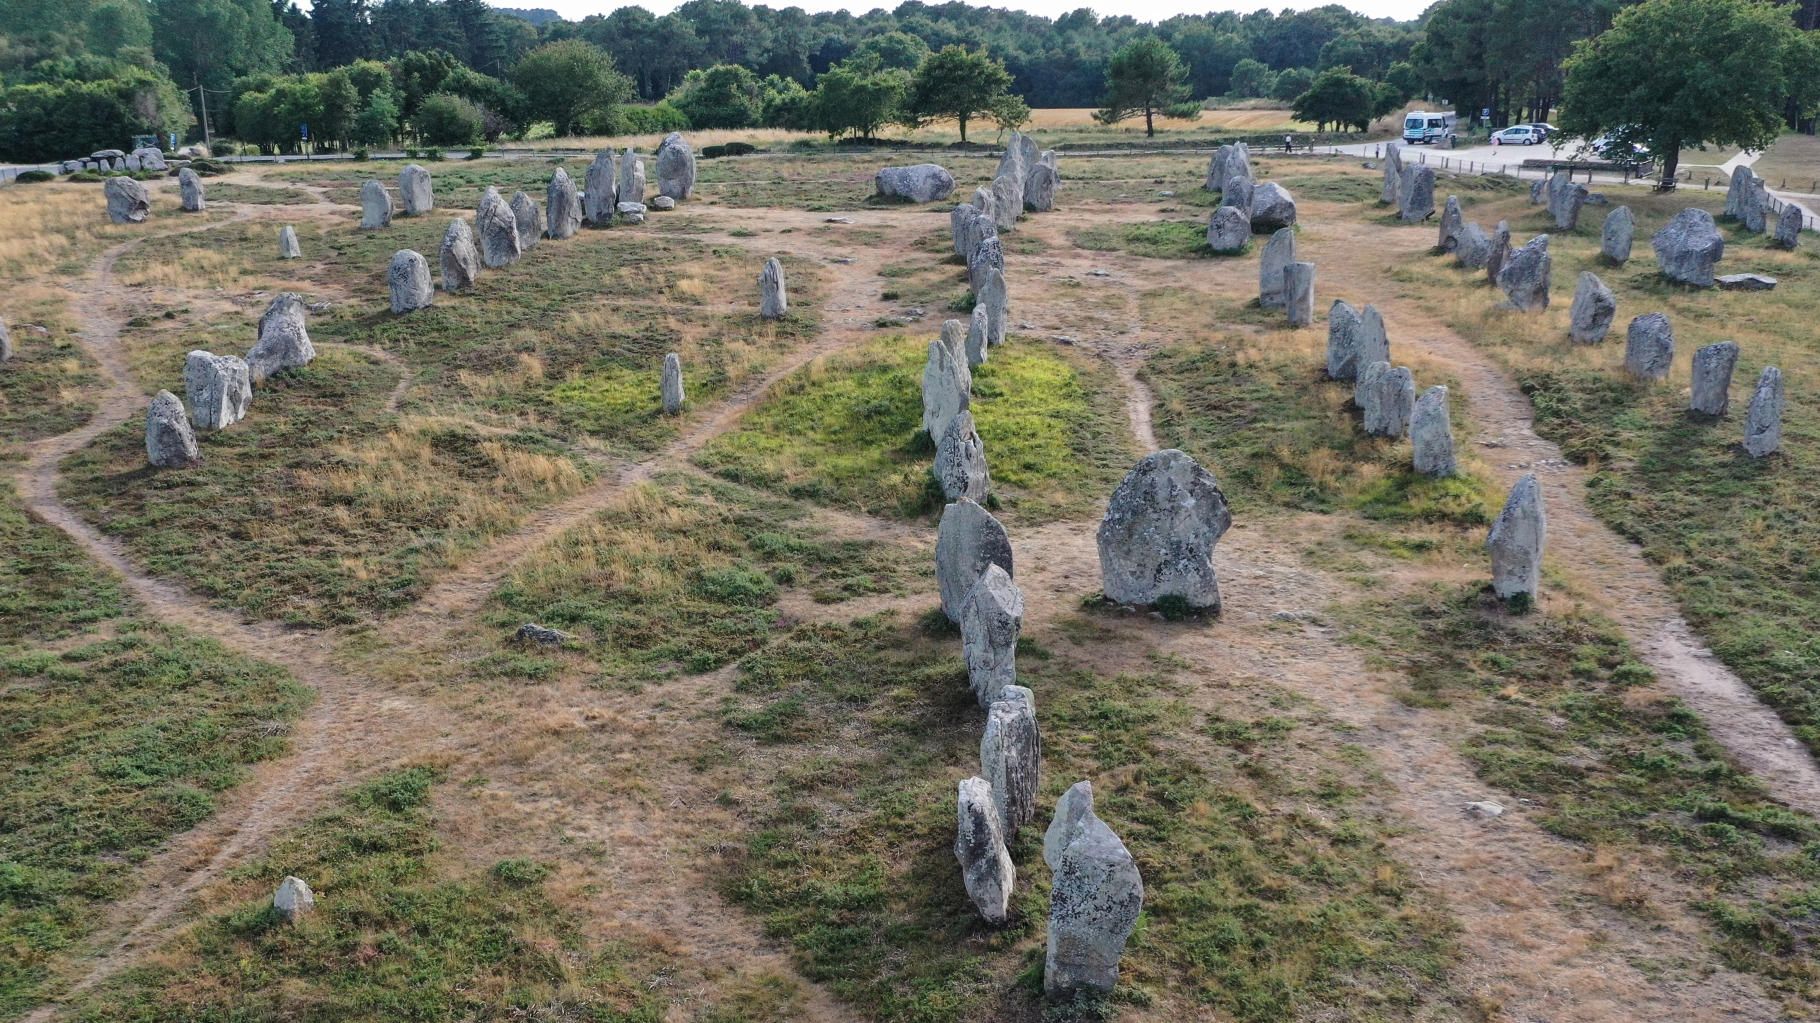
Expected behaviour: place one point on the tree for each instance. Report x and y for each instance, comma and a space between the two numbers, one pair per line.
448, 120
899, 50
1671, 74
1146, 76
215, 41
958, 84
1339, 97
858, 96
568, 80
1290, 83
52, 120
1251, 79
723, 96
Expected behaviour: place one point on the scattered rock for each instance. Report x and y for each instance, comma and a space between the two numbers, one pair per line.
375, 207
127, 201
1649, 347
562, 204
189, 187
531, 633
1431, 434
1272, 207
992, 615
284, 338
773, 302
1157, 539
1712, 378
960, 461
1278, 253
1011, 755
529, 219
414, 191
1615, 237
219, 388
979, 845
630, 212
1524, 276
1594, 307
968, 540
1688, 246
1516, 541
1746, 282
169, 442
287, 243
408, 279
1228, 230
1484, 810
293, 899
1763, 423
672, 384
460, 259
917, 183
661, 202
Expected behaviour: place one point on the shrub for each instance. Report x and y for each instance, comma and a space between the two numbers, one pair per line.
361, 155
739, 148
477, 152
432, 154
35, 175
86, 177
658, 118
445, 120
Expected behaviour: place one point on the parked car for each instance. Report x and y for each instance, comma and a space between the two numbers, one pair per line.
1543, 126
1423, 126
1622, 153
1518, 135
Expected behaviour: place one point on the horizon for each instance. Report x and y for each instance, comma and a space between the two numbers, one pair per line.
1153, 10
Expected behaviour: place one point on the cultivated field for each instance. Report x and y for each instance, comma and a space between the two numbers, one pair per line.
729, 793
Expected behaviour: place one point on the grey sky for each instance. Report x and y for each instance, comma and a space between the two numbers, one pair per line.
1146, 10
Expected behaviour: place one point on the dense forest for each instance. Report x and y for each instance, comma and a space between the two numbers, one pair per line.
80, 74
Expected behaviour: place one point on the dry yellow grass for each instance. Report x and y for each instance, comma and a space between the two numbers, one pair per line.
42, 225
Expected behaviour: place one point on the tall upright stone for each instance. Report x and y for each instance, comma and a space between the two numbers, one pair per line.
1094, 903
631, 187
128, 202
1278, 253
6, 342
773, 300
1007, 200
1735, 190
1524, 276
1156, 541
529, 219
1688, 247
1649, 347
1589, 318
169, 441
960, 461
1391, 192
978, 343
1516, 541
1272, 207
1712, 378
1040, 185
979, 845
1416, 194
970, 226
968, 540
1565, 201
408, 281
1365, 386
675, 167
189, 187
1228, 230
1238, 194
992, 615
1374, 338
563, 205
1342, 341
1390, 399
1500, 251
600, 190
988, 255
1011, 754
287, 243
1755, 210
947, 389
954, 338
497, 227
1763, 422
1451, 223
1616, 235
375, 207
1788, 227
415, 191
219, 388
672, 384
284, 338
1472, 248
1298, 293
460, 259
1431, 435
997, 304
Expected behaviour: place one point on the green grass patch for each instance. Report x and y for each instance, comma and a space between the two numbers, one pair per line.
48, 386
1174, 239
115, 733
846, 431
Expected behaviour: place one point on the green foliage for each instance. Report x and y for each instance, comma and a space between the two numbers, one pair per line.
1671, 74
1147, 77
726, 96
1340, 98
570, 80
857, 97
445, 120
959, 84
1252, 78
54, 121
1290, 83
635, 119
900, 51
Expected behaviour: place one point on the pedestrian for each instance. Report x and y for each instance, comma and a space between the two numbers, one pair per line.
1288, 143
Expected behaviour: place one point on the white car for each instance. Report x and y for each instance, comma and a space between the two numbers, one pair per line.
1518, 135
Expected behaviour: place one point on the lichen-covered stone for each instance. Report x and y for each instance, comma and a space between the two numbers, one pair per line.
1238, 194
1298, 293
600, 190
997, 304
672, 384
1649, 347
1763, 422
1156, 541
630, 186
562, 205
773, 300
1516, 541
970, 225
1688, 247
1390, 194
497, 229
1431, 434
1390, 398
979, 845
917, 183
1342, 341
987, 256
1712, 378
675, 167
408, 281
992, 615
630, 212
1472, 247
284, 338
169, 441
1272, 207
287, 243
977, 346
1788, 227
219, 388
293, 899
459, 258
968, 540
1228, 230
1500, 251
128, 202
1616, 235
1451, 223
1011, 755
375, 207
960, 461
415, 192
1094, 903
1039, 187
1416, 193
947, 389
1072, 812
1278, 253
1590, 316
1007, 200
1524, 276
529, 219
191, 192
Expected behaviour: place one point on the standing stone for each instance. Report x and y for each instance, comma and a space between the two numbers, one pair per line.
1524, 277
631, 178
1589, 318
1159, 532
1763, 423
563, 205
1735, 191
987, 256
1231, 163
189, 186
1011, 756
497, 227
529, 219
1565, 204
1039, 188
1298, 293
1228, 230
1688, 246
1239, 193
414, 191
218, 388
6, 343
408, 278
127, 201
916, 183
1007, 201
675, 167
1373, 338
979, 845
1516, 541
1788, 227
169, 441
970, 226
960, 461
1272, 207
1712, 378
1278, 253
1365, 387
1649, 347
1391, 192
1431, 434
1754, 209
968, 540
1094, 902
1500, 251
1072, 813
287, 243
293, 899
979, 335
1342, 341
997, 304
151, 158
1416, 194
1390, 399
773, 303
954, 338
600, 190
132, 162
1615, 237
284, 338
1216, 175
375, 207
1451, 223
947, 389
992, 614
672, 384
460, 259
1472, 248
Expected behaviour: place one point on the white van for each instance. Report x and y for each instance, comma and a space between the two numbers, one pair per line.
1421, 126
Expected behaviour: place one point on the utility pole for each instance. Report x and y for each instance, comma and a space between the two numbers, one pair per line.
202, 95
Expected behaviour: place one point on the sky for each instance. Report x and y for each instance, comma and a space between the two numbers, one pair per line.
1143, 10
